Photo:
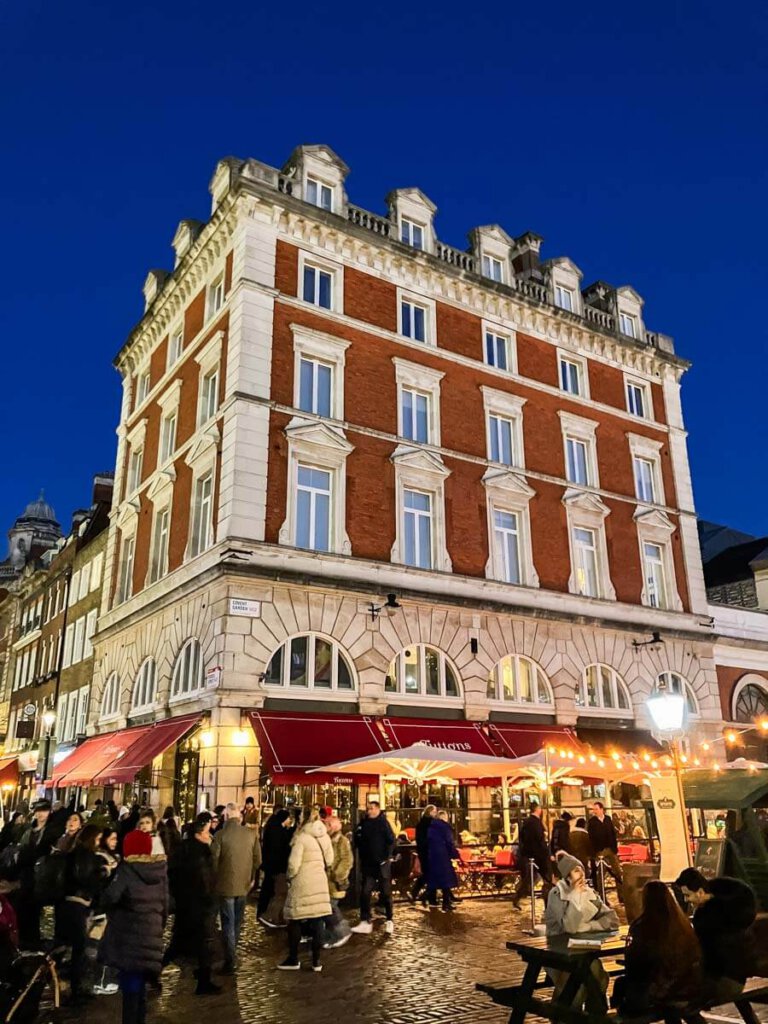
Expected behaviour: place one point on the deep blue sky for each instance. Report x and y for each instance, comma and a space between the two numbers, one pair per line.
631, 136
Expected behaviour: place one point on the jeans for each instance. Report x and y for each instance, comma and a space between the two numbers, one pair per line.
232, 909
133, 986
378, 878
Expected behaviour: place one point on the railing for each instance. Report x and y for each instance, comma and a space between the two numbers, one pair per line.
599, 317
28, 627
532, 289
370, 221
455, 257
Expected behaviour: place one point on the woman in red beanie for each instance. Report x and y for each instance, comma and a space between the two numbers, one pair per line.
137, 909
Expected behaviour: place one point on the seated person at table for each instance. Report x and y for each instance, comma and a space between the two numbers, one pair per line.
500, 845
663, 958
573, 908
724, 911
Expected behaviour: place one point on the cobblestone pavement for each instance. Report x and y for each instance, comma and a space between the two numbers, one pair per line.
424, 974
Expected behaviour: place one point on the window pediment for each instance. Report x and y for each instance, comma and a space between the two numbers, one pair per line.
128, 514
305, 432
136, 435
205, 445
161, 483
210, 354
653, 519
419, 461
585, 502
169, 400
507, 482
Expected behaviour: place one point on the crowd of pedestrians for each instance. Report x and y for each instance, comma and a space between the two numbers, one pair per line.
116, 876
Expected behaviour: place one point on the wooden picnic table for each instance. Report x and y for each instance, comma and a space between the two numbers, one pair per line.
554, 952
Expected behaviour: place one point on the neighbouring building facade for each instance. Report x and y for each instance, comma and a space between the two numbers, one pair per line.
736, 577
49, 656
323, 406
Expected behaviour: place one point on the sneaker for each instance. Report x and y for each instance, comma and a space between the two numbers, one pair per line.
364, 928
106, 990
289, 965
268, 924
389, 927
317, 968
338, 942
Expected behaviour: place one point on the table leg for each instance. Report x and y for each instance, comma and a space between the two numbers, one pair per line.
527, 989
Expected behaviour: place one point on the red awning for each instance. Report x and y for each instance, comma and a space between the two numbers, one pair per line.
145, 745
518, 739
106, 759
452, 735
292, 743
9, 771
80, 766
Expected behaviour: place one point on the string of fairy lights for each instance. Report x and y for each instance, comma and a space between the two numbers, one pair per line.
616, 762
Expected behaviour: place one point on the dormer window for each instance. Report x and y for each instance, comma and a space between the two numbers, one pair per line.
319, 194
493, 268
627, 325
411, 233
564, 298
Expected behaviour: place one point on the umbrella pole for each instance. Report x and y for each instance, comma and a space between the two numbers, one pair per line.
505, 809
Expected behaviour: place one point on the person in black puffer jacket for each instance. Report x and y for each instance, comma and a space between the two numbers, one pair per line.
137, 909
725, 910
84, 878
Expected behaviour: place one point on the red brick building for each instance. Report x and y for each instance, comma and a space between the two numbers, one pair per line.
322, 406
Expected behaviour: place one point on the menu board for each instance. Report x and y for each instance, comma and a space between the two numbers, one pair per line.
710, 857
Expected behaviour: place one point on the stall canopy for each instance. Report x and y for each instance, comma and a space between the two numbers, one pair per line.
117, 757
293, 744
9, 771
720, 791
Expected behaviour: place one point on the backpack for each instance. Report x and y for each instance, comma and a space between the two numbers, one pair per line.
50, 879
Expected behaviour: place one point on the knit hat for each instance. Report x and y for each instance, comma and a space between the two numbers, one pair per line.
566, 864
137, 844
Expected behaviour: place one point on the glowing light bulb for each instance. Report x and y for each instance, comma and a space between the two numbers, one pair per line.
592, 758
646, 757
696, 761
683, 759
716, 766
730, 736
601, 764
562, 753
582, 760
705, 746
654, 764
764, 725
618, 764
552, 750
636, 765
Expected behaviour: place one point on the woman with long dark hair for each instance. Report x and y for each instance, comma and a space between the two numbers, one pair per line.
663, 958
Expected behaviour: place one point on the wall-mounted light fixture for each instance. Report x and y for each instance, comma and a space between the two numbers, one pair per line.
390, 607
656, 639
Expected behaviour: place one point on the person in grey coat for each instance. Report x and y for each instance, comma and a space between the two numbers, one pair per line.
574, 909
137, 909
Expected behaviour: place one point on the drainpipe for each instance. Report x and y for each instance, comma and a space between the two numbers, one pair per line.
59, 665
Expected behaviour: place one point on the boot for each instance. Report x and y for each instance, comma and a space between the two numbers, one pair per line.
205, 987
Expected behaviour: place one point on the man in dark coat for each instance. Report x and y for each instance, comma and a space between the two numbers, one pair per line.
375, 844
422, 848
275, 851
440, 870
605, 846
137, 909
560, 834
724, 911
578, 841
193, 891
533, 850
36, 842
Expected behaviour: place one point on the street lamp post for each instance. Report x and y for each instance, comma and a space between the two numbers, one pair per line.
49, 720
667, 711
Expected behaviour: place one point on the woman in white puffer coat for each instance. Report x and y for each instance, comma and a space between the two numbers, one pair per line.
309, 899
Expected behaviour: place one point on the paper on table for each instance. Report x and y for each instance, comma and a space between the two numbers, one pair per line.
585, 943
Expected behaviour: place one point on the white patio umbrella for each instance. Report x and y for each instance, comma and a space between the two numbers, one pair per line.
421, 763
744, 764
